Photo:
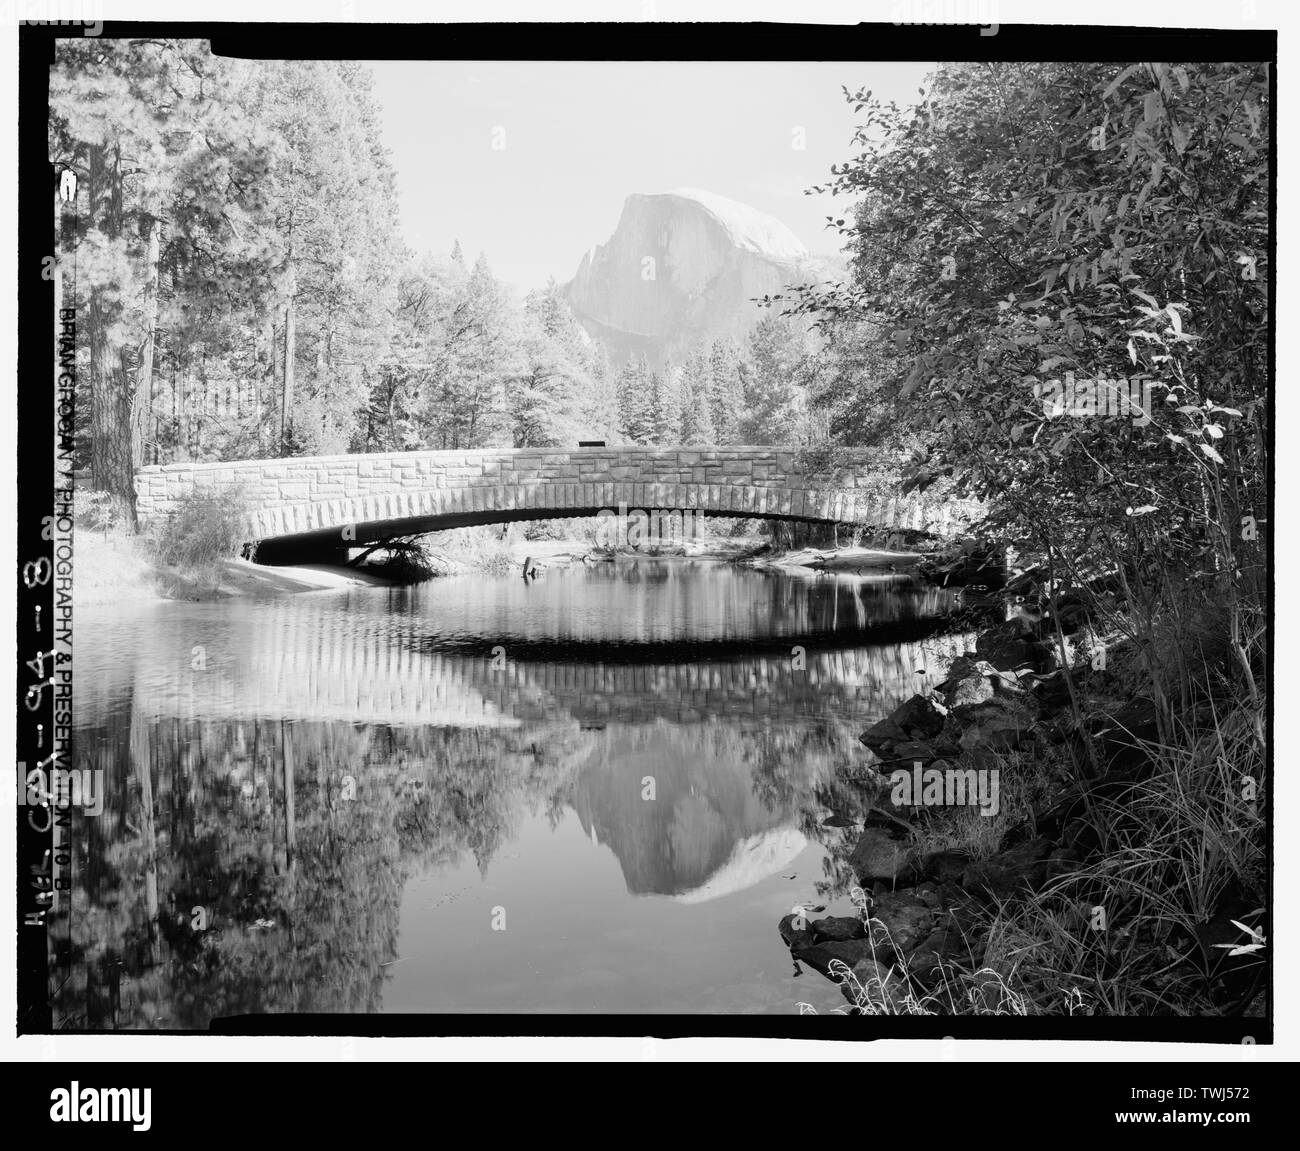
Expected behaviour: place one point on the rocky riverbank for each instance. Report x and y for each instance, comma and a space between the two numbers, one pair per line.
980, 826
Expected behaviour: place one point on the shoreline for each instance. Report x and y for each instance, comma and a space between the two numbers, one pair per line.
114, 570
119, 570
944, 864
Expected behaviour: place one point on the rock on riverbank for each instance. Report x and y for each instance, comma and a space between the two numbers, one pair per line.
921, 927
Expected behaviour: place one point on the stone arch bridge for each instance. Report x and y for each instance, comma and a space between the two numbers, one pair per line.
313, 501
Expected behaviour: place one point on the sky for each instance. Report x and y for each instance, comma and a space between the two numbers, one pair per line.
530, 161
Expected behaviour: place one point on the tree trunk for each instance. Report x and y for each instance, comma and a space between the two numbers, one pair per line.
142, 389
111, 452
290, 331
286, 388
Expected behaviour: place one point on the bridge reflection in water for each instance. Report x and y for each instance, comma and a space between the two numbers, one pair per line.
305, 768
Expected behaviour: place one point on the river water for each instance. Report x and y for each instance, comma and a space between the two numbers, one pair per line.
594, 792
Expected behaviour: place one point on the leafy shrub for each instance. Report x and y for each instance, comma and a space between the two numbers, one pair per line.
97, 510
204, 528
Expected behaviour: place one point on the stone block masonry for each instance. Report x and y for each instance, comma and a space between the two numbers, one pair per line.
427, 491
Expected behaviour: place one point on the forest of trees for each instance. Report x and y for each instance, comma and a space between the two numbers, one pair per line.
246, 292
1031, 220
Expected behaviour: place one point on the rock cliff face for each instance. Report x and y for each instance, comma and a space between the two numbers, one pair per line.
683, 267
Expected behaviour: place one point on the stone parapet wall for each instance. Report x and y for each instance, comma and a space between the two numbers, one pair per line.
305, 494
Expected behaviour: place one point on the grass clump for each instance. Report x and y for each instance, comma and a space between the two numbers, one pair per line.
1150, 926
203, 529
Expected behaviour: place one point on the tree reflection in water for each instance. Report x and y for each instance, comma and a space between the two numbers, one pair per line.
251, 855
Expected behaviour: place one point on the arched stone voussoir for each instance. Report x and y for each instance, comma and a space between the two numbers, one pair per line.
325, 494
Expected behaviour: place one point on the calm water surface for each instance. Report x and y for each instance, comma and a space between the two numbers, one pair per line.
597, 792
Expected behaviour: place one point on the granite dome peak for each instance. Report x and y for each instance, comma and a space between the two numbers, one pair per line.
683, 268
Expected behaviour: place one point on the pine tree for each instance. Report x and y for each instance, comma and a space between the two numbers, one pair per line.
666, 389
549, 400
697, 406
144, 123
600, 414
725, 389
477, 349
774, 401
333, 216
636, 402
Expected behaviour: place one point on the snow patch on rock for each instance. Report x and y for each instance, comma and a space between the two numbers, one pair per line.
753, 860
748, 227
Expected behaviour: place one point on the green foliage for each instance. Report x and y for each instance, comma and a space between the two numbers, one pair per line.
697, 402
636, 396
558, 396
1033, 224
247, 293
96, 510
667, 402
206, 527
772, 402
726, 393
468, 367
222, 197
725, 389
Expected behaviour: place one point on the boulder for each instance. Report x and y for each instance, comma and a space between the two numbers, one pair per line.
1050, 692
882, 734
1009, 648
881, 854
943, 946
877, 987
1000, 731
837, 929
916, 718
967, 683
795, 937
899, 920
1011, 872
945, 866
928, 893
838, 820
912, 749
820, 955
973, 688
992, 708
1073, 610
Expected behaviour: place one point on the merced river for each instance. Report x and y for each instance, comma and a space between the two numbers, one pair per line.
593, 792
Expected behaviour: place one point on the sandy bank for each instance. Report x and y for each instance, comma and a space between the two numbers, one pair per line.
869, 560
115, 569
